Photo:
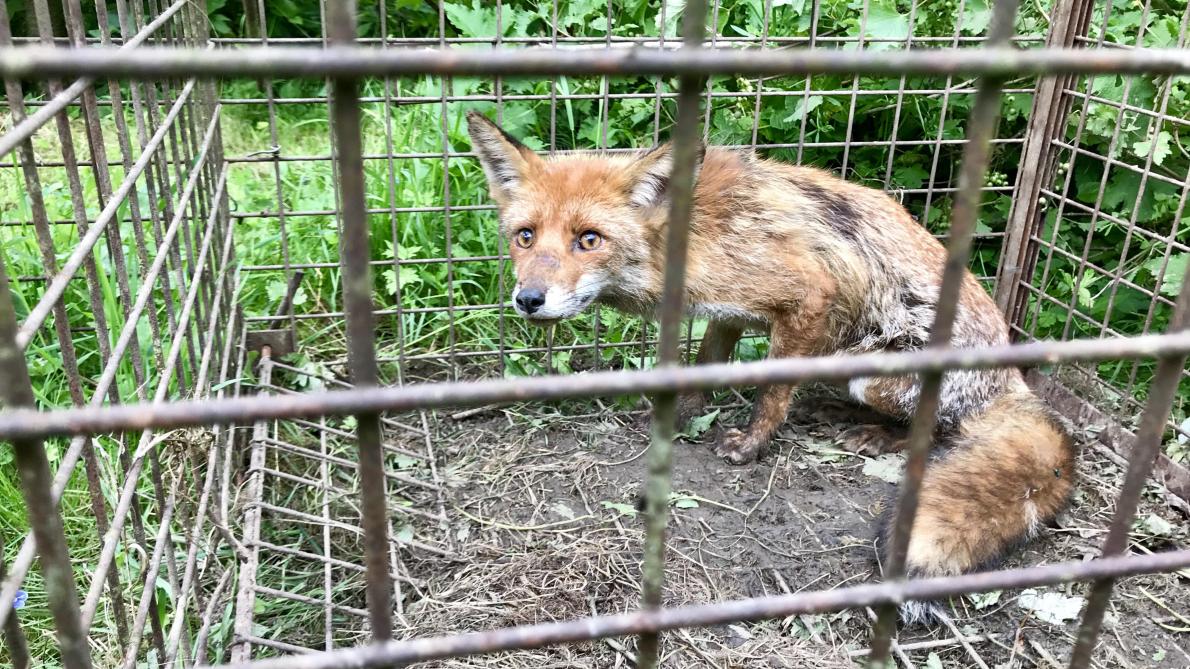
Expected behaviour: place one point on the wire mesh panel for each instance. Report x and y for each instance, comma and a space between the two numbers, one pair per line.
1099, 228
442, 275
116, 251
328, 441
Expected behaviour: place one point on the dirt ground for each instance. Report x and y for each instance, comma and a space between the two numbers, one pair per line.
538, 522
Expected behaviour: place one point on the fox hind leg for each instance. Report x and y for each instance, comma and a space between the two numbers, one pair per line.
718, 342
873, 440
893, 397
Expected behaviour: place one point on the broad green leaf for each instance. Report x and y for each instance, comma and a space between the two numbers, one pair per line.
976, 16
804, 106
409, 277
1162, 34
885, 23
1085, 299
1160, 147
1121, 188
673, 16
1175, 272
406, 252
700, 425
276, 291
478, 21
910, 176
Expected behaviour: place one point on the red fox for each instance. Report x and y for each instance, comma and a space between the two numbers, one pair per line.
825, 267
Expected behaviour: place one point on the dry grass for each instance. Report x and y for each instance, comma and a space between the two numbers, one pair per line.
538, 524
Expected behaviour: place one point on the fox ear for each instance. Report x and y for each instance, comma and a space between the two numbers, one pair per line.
649, 180
506, 161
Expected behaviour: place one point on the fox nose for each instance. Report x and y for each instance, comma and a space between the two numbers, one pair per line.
530, 299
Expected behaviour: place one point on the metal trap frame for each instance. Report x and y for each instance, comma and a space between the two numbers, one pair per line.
156, 227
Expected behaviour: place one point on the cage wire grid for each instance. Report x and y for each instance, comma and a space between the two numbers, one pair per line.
217, 493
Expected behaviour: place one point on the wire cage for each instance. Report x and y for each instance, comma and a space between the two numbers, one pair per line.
307, 420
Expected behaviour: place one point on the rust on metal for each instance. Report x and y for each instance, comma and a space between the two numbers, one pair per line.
686, 154
354, 62
1149, 436
24, 423
186, 289
704, 615
280, 342
976, 154
361, 344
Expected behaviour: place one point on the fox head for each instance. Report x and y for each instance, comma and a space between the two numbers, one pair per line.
581, 227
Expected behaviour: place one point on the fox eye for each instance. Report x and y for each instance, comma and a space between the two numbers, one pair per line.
524, 238
589, 240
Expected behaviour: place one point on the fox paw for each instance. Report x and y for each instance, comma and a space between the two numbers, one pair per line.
737, 447
824, 410
870, 440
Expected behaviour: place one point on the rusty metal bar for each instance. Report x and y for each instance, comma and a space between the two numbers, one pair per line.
411, 155
357, 298
394, 226
716, 95
1147, 447
940, 131
617, 41
865, 6
976, 154
67, 351
241, 649
445, 86
705, 615
189, 576
107, 377
82, 250
151, 575
1050, 109
26, 423
25, 128
33, 467
147, 443
1080, 266
208, 618
343, 61
1074, 146
685, 152
15, 641
176, 637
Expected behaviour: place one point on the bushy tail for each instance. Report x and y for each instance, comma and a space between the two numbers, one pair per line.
1010, 470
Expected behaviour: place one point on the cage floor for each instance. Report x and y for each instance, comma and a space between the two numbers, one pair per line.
524, 514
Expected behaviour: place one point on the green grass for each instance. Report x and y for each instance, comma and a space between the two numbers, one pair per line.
421, 182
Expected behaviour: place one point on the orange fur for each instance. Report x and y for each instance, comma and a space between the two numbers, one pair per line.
823, 266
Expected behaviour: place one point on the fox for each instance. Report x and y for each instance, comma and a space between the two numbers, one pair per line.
825, 267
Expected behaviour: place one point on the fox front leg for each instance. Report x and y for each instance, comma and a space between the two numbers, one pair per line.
717, 344
789, 336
